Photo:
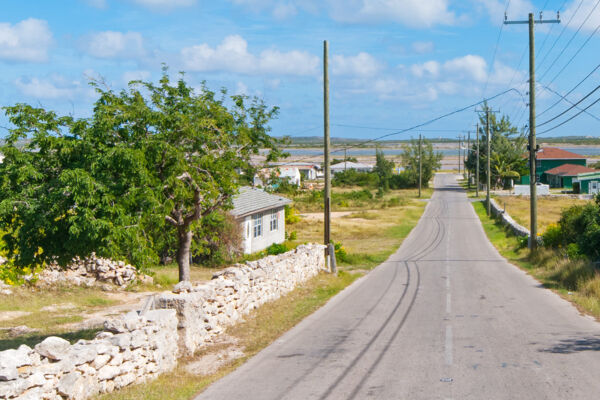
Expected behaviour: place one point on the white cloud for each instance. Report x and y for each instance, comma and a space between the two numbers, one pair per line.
466, 67
241, 89
28, 40
587, 8
165, 4
54, 86
111, 44
428, 68
363, 64
232, 55
422, 47
413, 13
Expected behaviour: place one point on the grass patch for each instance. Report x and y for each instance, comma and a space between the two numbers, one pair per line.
260, 328
576, 280
549, 208
33, 339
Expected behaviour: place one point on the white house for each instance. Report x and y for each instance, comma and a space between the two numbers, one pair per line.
261, 216
307, 170
346, 165
292, 174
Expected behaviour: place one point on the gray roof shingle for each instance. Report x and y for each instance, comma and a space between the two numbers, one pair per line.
250, 201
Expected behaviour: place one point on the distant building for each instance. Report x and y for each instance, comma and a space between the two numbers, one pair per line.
308, 171
266, 176
562, 176
261, 216
548, 158
588, 183
346, 165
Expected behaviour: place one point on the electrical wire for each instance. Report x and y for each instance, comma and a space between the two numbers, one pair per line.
496, 50
574, 55
574, 116
569, 109
561, 33
567, 100
570, 40
412, 128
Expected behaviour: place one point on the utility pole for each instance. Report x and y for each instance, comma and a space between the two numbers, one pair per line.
459, 154
345, 160
532, 143
468, 149
477, 168
327, 197
487, 174
420, 164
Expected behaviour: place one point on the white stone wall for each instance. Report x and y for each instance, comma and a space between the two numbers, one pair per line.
205, 310
141, 345
132, 349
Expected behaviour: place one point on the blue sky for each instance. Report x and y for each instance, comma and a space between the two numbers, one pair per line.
394, 63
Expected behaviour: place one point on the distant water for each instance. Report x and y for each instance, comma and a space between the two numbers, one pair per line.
339, 153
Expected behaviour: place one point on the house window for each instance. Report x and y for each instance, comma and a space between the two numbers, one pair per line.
257, 225
273, 222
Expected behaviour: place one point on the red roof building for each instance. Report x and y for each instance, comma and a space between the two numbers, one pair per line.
554, 153
563, 175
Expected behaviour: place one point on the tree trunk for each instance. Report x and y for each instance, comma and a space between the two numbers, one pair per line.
183, 253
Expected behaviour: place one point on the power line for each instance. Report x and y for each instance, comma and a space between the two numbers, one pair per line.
574, 116
375, 128
574, 55
495, 50
567, 100
561, 33
570, 108
572, 90
412, 128
570, 40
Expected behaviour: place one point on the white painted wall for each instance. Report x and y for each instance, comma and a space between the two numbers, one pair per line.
267, 237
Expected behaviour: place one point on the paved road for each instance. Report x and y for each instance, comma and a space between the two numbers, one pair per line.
446, 317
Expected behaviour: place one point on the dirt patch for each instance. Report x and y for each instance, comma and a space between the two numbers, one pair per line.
211, 362
58, 307
319, 216
8, 315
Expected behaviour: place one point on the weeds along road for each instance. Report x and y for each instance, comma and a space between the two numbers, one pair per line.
446, 317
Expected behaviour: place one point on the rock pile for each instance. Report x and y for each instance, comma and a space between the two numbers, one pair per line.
89, 271
132, 349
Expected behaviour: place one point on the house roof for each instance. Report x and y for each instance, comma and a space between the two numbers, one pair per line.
554, 153
295, 164
351, 165
250, 201
569, 170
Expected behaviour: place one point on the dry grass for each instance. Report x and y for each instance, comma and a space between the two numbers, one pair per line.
575, 280
549, 209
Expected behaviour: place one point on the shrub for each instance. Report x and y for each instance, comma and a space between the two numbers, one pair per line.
404, 180
293, 235
276, 248
218, 240
340, 252
352, 177
291, 215
553, 236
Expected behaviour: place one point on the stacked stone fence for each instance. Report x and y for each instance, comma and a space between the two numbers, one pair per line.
507, 220
142, 344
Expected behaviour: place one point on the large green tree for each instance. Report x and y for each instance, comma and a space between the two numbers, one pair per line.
149, 165
431, 161
507, 144
384, 170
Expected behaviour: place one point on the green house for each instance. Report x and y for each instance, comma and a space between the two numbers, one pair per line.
548, 158
562, 176
587, 183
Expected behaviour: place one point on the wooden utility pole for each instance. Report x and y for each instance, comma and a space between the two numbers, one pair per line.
487, 174
532, 142
467, 156
420, 164
327, 172
477, 168
459, 154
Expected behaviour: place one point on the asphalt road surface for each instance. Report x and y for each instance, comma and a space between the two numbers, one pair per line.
446, 317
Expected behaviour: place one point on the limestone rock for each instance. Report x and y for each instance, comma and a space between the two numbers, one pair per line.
53, 347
